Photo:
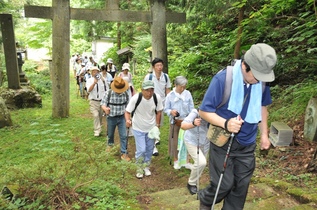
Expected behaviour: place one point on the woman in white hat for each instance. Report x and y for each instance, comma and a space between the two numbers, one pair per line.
126, 75
111, 68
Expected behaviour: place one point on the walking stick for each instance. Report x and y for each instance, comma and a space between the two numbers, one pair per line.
197, 160
126, 150
172, 149
225, 161
223, 171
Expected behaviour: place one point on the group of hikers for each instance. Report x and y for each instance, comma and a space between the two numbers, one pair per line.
222, 131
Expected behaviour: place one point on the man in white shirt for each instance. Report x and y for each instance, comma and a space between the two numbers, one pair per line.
147, 114
96, 87
162, 86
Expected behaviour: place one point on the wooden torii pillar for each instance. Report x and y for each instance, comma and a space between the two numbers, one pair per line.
61, 14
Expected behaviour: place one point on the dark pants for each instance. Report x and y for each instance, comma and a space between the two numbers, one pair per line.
236, 178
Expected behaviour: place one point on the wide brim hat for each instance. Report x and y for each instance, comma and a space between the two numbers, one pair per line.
119, 85
109, 60
126, 66
94, 68
261, 58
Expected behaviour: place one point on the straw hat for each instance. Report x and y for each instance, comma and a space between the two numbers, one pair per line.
119, 85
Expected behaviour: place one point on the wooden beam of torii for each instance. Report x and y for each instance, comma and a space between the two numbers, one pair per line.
61, 14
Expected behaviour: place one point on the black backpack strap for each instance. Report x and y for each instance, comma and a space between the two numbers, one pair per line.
109, 94
137, 104
118, 104
155, 101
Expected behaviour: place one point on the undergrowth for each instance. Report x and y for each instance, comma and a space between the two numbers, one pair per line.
58, 164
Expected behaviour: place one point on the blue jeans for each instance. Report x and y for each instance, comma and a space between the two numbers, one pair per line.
119, 121
144, 148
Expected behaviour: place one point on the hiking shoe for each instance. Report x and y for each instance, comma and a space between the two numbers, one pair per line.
192, 189
155, 152
139, 175
157, 142
125, 157
176, 165
147, 171
96, 134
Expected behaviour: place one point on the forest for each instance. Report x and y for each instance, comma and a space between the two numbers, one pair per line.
215, 33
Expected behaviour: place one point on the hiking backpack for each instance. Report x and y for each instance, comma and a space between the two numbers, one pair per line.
151, 76
139, 101
117, 104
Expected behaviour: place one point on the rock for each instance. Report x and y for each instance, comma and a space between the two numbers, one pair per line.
26, 97
5, 117
310, 127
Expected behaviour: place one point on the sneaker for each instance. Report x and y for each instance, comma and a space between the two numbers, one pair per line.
189, 166
157, 142
155, 152
96, 134
125, 157
139, 175
176, 165
147, 171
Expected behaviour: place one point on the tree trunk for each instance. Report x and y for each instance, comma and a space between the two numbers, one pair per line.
118, 35
240, 29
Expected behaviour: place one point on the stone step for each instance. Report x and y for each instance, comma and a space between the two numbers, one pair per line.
260, 196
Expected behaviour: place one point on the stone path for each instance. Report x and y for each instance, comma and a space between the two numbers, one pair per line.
260, 197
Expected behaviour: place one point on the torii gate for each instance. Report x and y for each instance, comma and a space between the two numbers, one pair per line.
61, 14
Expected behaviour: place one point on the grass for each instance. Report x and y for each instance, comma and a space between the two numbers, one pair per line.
57, 163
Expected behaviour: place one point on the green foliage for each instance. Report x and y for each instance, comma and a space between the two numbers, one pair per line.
296, 96
39, 79
111, 53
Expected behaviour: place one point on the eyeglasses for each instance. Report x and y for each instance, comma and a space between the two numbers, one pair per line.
247, 66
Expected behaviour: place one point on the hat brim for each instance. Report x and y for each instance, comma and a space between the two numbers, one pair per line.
125, 88
94, 69
263, 77
148, 87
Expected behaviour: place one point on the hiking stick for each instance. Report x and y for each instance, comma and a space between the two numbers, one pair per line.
223, 170
225, 161
172, 149
126, 150
105, 115
197, 160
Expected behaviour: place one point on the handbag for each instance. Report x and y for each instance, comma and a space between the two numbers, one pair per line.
178, 122
217, 135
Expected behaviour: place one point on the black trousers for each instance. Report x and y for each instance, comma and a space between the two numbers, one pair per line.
237, 175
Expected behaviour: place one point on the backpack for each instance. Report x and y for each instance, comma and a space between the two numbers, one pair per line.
228, 86
139, 101
117, 104
151, 76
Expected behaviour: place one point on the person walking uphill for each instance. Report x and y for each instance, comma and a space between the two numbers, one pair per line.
96, 88
197, 146
162, 86
241, 116
147, 108
113, 104
178, 105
